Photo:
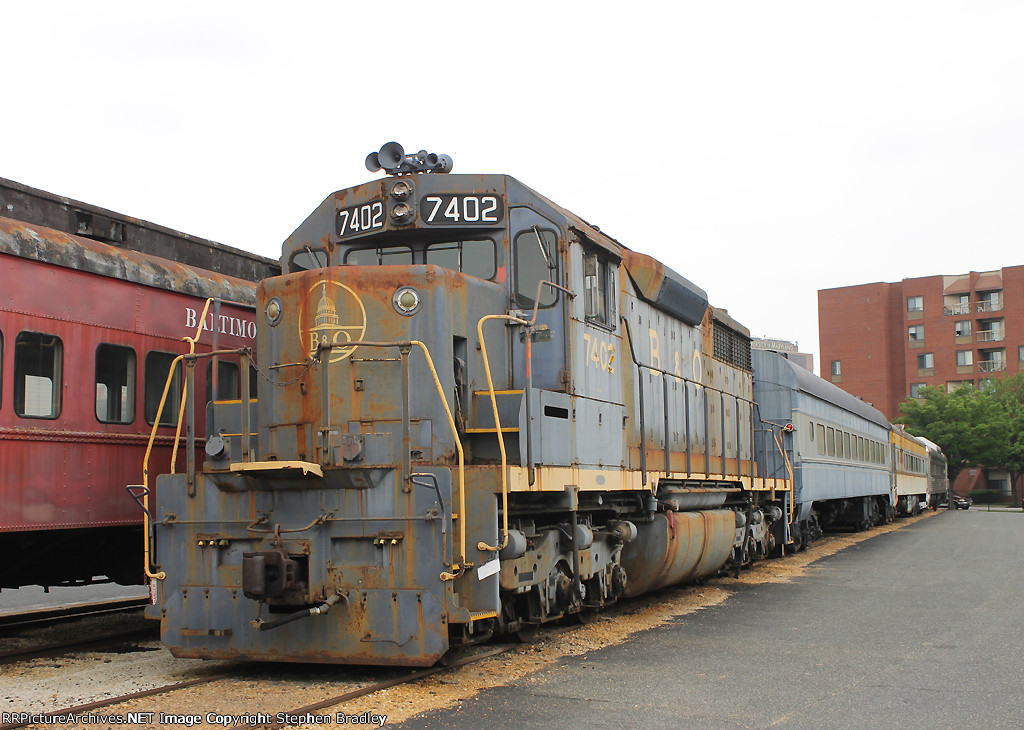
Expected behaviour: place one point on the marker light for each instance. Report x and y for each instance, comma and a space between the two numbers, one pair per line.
274, 311
407, 301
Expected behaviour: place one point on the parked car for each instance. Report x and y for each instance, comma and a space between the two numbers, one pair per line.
958, 502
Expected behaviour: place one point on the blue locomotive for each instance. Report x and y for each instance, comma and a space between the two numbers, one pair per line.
478, 414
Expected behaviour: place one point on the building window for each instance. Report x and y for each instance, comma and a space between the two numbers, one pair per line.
952, 385
962, 329
915, 333
38, 375
964, 358
837, 368
915, 389
158, 364
915, 304
115, 384
990, 301
1020, 353
926, 361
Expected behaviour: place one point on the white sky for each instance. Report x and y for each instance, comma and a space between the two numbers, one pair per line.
764, 150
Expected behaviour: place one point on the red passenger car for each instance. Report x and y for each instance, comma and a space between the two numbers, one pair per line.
87, 335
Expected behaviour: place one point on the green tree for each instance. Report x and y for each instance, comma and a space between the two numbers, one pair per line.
962, 423
1007, 396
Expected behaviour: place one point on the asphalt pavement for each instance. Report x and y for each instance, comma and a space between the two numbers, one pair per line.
921, 627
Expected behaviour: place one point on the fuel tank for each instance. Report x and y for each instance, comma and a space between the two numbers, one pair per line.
676, 547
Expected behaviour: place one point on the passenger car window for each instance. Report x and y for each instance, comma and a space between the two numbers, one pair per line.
38, 375
229, 385
158, 364
115, 384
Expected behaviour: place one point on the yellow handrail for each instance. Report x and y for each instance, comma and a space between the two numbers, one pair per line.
152, 437
789, 470
497, 424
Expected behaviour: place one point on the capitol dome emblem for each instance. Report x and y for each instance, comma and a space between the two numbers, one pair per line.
332, 313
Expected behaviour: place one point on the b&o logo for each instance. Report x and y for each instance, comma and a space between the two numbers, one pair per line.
332, 314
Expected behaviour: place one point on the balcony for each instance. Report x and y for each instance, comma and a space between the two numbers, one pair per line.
991, 336
991, 366
952, 309
992, 305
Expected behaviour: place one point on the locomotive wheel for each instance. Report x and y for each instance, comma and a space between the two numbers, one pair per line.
527, 633
585, 616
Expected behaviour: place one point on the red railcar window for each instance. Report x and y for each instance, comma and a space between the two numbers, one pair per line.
38, 375
158, 364
229, 385
115, 384
1, 368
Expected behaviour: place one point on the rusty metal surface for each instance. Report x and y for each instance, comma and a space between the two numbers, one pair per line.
676, 547
38, 207
75, 252
366, 416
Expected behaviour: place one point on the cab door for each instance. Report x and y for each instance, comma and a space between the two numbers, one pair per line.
536, 258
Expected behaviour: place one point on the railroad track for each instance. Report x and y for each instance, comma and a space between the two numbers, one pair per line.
298, 713
50, 616
62, 647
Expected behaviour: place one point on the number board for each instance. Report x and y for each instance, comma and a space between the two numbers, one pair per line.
360, 218
461, 210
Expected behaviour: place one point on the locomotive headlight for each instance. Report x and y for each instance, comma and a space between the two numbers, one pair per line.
401, 190
407, 301
402, 213
274, 311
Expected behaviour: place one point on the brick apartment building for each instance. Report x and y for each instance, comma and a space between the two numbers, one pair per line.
883, 341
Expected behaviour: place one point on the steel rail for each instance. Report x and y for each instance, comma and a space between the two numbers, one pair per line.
66, 613
61, 647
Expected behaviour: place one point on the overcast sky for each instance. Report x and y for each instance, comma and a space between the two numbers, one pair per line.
764, 150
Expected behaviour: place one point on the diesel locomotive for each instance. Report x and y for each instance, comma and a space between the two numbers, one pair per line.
477, 414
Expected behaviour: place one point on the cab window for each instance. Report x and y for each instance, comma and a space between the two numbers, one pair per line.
38, 375
597, 285
475, 257
309, 258
380, 256
536, 259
